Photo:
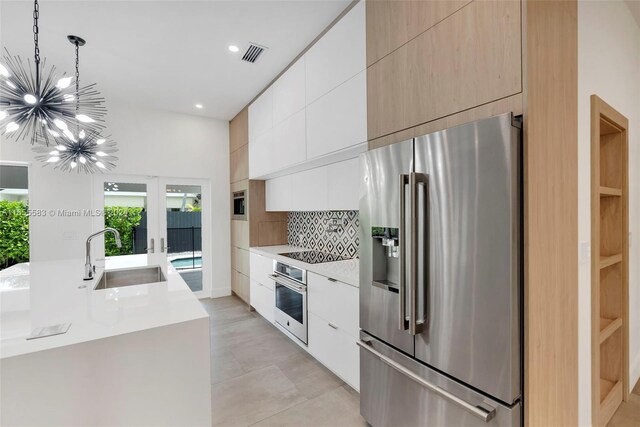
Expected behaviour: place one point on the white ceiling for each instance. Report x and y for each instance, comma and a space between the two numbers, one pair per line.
171, 55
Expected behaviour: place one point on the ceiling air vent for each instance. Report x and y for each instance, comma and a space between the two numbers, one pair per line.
253, 53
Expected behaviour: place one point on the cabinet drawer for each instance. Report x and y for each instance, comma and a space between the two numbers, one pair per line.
335, 348
334, 301
263, 300
261, 268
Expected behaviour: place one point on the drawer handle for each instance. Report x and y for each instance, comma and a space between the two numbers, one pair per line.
333, 326
331, 280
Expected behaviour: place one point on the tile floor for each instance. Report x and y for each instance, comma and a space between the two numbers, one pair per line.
260, 377
628, 414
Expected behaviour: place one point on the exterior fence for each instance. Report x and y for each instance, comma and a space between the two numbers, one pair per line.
184, 233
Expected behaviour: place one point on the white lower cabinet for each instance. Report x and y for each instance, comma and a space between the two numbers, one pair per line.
263, 300
335, 348
334, 301
261, 269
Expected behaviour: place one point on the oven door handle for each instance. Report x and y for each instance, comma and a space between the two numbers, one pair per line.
288, 283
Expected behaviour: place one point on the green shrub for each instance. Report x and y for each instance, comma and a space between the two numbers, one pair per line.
124, 219
14, 233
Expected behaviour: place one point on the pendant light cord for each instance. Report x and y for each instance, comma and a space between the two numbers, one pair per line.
36, 31
77, 78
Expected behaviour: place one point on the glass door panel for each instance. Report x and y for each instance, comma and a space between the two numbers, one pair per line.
183, 227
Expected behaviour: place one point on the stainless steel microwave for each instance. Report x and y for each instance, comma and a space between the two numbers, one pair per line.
239, 205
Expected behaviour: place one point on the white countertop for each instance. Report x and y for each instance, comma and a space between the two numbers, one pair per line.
50, 295
345, 271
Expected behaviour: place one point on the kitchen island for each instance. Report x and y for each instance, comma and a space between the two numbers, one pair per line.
133, 355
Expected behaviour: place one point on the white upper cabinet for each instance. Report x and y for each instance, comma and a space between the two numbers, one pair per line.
261, 155
344, 185
261, 115
288, 92
339, 55
339, 119
289, 138
316, 112
332, 187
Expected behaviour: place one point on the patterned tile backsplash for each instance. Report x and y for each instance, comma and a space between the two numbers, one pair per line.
315, 230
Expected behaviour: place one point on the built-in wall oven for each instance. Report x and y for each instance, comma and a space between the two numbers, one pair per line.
291, 299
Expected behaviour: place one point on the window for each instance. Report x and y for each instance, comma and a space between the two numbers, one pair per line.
14, 215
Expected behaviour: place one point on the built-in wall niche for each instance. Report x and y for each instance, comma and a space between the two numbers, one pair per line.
610, 260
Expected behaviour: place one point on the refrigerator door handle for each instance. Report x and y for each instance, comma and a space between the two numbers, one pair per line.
415, 180
403, 325
485, 412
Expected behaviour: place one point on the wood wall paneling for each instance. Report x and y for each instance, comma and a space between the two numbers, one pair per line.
267, 228
239, 130
471, 58
391, 24
551, 217
240, 163
512, 104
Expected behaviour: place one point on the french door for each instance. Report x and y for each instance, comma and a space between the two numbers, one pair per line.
162, 221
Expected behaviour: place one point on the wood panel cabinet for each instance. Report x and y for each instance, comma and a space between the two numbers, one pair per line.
338, 119
391, 24
239, 163
338, 55
239, 131
471, 58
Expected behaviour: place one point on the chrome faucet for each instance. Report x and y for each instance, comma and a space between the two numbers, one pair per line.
88, 268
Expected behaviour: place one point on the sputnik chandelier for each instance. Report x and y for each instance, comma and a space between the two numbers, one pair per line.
86, 150
36, 104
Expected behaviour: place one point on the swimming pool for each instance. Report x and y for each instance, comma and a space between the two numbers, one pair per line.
187, 262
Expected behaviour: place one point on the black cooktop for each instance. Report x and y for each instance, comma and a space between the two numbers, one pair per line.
314, 257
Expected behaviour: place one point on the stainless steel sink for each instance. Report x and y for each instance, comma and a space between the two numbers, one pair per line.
129, 277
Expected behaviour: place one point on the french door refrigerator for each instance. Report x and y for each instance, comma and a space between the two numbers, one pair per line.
440, 278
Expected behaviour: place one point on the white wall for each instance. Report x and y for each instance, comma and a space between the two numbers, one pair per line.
608, 66
150, 142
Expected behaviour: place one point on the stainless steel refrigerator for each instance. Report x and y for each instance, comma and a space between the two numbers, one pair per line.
440, 278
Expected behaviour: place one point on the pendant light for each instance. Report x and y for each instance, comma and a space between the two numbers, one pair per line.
85, 150
35, 103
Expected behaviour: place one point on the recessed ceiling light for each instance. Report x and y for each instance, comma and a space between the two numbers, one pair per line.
199, 106
233, 48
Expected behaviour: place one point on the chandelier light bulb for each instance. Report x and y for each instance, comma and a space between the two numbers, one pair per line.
11, 85
3, 115
30, 99
82, 160
82, 134
73, 165
100, 165
60, 124
101, 154
53, 133
3, 71
55, 153
100, 141
84, 118
64, 83
12, 127
69, 135
61, 147
68, 97
53, 159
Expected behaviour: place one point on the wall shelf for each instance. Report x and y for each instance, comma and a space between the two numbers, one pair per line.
608, 327
610, 192
608, 261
